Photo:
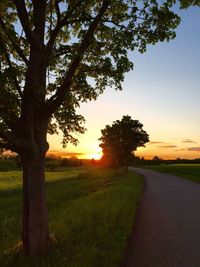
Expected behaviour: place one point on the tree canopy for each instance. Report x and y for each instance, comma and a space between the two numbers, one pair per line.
187, 3
81, 45
121, 139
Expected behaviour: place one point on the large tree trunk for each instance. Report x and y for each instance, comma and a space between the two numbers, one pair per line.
35, 232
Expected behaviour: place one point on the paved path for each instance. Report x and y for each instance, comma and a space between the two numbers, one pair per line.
167, 230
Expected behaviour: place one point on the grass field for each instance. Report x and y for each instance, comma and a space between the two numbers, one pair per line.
189, 171
91, 213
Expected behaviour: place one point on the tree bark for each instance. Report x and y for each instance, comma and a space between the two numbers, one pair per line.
35, 232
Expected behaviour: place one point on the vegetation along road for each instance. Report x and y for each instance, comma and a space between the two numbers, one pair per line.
167, 231
91, 214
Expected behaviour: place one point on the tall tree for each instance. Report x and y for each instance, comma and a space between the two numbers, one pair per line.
54, 55
121, 139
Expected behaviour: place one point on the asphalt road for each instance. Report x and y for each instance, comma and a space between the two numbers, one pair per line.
167, 229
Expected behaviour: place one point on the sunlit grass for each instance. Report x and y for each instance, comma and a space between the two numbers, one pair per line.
188, 171
12, 180
91, 213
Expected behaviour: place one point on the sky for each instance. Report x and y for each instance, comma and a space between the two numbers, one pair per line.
162, 92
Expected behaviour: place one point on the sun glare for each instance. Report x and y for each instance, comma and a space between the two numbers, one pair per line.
96, 156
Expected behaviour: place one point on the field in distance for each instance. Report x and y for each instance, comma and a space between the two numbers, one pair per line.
188, 171
91, 214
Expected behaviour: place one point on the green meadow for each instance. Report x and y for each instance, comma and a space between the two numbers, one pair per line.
188, 171
91, 214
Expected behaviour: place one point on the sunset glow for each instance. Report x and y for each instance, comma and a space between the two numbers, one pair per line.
95, 156
162, 92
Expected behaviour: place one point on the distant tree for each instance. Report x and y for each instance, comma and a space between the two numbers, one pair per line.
156, 160
74, 161
1, 152
64, 162
54, 55
121, 139
136, 160
92, 162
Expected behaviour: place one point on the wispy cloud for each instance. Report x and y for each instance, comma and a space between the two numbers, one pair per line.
64, 154
156, 142
167, 146
188, 141
197, 149
181, 149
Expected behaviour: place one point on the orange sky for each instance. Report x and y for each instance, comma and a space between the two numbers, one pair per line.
166, 148
162, 92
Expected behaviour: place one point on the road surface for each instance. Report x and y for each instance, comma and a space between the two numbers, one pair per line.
167, 229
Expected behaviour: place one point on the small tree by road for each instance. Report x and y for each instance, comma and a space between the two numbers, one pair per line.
120, 140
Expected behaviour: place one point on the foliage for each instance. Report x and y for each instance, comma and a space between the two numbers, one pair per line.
9, 164
55, 164
156, 160
71, 162
137, 161
84, 205
12, 163
187, 3
119, 140
72, 50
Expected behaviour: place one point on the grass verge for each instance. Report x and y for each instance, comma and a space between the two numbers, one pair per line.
91, 213
188, 171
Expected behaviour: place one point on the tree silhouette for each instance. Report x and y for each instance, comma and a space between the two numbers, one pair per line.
156, 160
119, 140
53, 56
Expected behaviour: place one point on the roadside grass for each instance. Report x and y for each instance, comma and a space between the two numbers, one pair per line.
188, 171
91, 214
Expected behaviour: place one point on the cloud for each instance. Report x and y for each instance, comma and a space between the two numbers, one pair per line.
62, 154
156, 142
167, 146
197, 149
188, 141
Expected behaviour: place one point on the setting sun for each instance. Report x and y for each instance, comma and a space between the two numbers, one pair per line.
95, 156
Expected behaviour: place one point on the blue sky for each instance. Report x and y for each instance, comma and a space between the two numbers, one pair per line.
163, 93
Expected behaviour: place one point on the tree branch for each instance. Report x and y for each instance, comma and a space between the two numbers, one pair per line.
18, 88
121, 25
118, 25
39, 14
60, 24
15, 46
60, 95
24, 19
57, 10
